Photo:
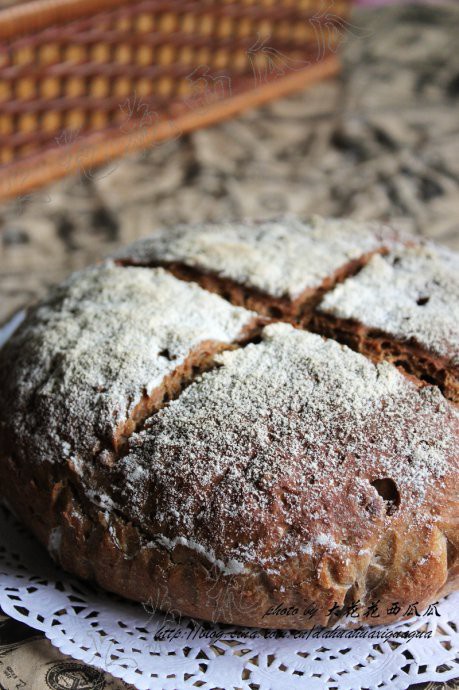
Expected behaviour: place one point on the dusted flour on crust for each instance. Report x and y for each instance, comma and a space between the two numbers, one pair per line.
410, 294
273, 455
102, 341
402, 308
281, 258
294, 472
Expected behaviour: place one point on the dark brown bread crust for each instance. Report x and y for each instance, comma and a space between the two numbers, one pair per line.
402, 307
182, 583
320, 497
411, 562
410, 356
235, 260
298, 311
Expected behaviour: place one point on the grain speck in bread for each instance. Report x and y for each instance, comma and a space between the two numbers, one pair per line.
172, 447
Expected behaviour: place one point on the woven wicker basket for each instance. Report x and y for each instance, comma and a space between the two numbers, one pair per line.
84, 81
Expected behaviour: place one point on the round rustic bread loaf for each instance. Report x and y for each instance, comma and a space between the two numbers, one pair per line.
175, 426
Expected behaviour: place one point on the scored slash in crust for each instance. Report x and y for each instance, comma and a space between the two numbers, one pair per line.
403, 308
171, 446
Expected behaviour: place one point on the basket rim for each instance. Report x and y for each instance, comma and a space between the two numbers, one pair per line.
39, 14
96, 149
35, 15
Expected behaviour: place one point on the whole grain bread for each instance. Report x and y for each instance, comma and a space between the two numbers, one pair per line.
172, 428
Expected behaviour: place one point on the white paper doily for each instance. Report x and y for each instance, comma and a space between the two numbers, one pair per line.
119, 637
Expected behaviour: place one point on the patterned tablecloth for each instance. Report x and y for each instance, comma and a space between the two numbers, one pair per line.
382, 141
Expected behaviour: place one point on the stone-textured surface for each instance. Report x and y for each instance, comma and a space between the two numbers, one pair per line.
381, 141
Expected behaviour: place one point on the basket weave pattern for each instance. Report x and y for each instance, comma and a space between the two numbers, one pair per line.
70, 70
